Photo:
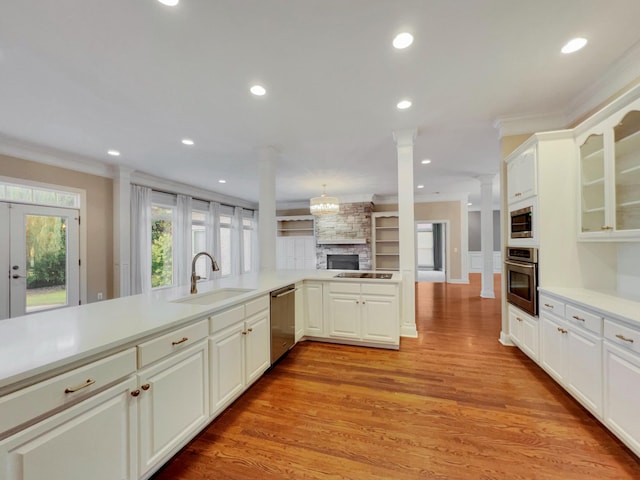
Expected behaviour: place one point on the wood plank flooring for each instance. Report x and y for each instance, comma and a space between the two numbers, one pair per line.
451, 404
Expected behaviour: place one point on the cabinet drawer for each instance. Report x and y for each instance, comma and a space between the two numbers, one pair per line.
174, 341
221, 320
551, 305
590, 321
378, 289
257, 305
31, 402
344, 287
622, 335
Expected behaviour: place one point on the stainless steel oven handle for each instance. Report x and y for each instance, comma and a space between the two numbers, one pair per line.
523, 265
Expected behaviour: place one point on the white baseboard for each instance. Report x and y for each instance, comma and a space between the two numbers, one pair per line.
505, 340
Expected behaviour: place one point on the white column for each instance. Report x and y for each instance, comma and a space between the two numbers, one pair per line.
486, 235
404, 142
122, 232
267, 208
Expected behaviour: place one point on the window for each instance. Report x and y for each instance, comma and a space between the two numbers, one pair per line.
40, 195
247, 244
225, 244
161, 245
199, 241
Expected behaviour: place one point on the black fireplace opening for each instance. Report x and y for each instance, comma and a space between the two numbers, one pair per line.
343, 262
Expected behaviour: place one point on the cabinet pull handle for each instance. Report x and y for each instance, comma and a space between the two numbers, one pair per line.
578, 318
548, 306
135, 393
145, 387
182, 340
562, 330
518, 319
89, 381
249, 329
244, 332
606, 227
624, 339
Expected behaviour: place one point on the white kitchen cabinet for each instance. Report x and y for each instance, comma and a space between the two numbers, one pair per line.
296, 242
571, 352
610, 178
522, 176
314, 309
524, 331
366, 312
622, 382
94, 439
239, 350
173, 403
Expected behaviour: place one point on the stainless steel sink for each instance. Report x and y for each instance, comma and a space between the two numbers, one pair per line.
380, 276
212, 297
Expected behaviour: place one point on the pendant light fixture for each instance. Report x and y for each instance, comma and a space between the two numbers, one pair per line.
324, 205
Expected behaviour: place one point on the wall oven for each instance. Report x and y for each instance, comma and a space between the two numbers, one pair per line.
521, 224
521, 270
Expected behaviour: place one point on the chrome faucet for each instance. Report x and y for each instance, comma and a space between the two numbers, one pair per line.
194, 277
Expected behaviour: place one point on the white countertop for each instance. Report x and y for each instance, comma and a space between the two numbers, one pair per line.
35, 344
607, 304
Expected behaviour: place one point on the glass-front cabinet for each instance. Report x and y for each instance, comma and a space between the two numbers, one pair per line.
610, 178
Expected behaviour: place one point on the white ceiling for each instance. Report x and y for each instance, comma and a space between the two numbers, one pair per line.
84, 76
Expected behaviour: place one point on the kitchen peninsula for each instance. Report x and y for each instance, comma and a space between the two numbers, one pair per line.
114, 389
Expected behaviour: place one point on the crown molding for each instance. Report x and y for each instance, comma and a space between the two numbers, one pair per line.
14, 147
518, 125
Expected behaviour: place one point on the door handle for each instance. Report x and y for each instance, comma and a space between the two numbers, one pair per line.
17, 276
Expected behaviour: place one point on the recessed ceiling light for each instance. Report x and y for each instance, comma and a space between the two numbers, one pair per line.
574, 45
113, 153
404, 104
258, 90
222, 181
426, 161
169, 3
187, 141
420, 186
402, 40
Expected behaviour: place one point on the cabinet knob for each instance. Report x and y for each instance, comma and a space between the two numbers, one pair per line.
135, 393
145, 387
244, 332
249, 329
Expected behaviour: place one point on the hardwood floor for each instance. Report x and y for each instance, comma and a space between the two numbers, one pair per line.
452, 404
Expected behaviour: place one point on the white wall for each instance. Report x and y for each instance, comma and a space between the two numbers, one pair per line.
629, 271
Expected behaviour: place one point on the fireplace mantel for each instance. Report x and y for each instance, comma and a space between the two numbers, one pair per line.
341, 241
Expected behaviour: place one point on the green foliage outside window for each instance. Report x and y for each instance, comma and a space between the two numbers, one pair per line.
161, 253
46, 240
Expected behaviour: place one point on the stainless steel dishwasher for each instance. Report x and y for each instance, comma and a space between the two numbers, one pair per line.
283, 321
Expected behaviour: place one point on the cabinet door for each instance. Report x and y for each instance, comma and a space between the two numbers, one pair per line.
594, 216
257, 346
344, 315
94, 439
314, 309
627, 173
380, 319
173, 403
522, 176
553, 346
227, 366
621, 393
515, 327
529, 336
584, 368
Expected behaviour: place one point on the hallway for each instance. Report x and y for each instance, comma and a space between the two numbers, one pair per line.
452, 404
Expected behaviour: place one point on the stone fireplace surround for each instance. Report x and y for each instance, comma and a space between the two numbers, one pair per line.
344, 233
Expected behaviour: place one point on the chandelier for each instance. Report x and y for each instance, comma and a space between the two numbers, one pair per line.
324, 205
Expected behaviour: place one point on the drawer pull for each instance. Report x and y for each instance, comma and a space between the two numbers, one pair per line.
578, 318
249, 329
145, 387
135, 393
562, 330
182, 340
89, 381
548, 306
624, 339
244, 332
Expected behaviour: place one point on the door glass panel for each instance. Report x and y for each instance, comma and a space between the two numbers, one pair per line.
592, 184
627, 164
46, 262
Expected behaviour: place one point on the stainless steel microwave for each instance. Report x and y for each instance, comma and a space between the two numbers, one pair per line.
522, 223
